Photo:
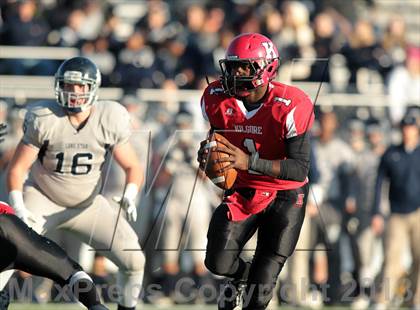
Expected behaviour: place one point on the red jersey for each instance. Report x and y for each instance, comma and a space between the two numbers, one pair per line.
285, 113
6, 209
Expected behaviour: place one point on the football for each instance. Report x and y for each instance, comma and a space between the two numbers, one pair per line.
223, 180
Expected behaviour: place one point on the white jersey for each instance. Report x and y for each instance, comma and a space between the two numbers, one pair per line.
68, 168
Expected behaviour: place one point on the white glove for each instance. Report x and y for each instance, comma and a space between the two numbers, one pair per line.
16, 201
128, 201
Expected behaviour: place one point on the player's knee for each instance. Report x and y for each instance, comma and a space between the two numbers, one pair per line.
135, 261
279, 259
74, 265
68, 268
219, 264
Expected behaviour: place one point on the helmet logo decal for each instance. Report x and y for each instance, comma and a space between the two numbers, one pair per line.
269, 50
73, 76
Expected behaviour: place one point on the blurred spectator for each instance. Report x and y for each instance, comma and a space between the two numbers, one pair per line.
250, 23
26, 28
364, 51
84, 21
326, 44
296, 40
226, 36
394, 40
337, 200
400, 165
93, 20
98, 52
70, 34
362, 239
175, 61
208, 40
115, 31
297, 31
376, 137
169, 101
157, 23
187, 209
195, 17
194, 30
404, 86
300, 292
136, 64
272, 25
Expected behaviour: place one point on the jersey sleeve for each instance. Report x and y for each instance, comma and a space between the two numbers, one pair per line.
211, 105
117, 124
31, 133
203, 108
300, 118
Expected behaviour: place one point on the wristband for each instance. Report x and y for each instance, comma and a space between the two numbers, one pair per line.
264, 166
16, 200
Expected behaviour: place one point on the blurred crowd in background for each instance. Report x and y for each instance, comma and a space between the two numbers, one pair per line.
174, 45
147, 43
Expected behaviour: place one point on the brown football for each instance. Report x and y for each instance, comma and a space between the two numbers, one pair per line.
223, 180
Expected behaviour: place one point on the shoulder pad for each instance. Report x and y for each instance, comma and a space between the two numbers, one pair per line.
44, 108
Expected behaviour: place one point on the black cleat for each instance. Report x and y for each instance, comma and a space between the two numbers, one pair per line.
4, 300
231, 297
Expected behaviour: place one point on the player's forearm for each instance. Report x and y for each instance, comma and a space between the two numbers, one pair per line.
294, 168
20, 164
15, 178
288, 169
134, 175
264, 166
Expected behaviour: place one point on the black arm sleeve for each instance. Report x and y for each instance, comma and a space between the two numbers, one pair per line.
296, 166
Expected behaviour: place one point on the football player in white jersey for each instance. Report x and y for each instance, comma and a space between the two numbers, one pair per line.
64, 148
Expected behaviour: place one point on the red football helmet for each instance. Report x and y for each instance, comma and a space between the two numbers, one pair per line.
253, 50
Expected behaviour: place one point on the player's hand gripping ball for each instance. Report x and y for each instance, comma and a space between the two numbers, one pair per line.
214, 169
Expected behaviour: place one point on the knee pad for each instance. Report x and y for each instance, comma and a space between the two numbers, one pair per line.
134, 262
68, 269
78, 276
219, 265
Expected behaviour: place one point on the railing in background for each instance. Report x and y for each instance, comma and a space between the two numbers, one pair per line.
37, 52
26, 88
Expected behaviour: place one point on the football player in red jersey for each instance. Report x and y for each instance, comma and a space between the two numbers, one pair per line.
23, 249
265, 126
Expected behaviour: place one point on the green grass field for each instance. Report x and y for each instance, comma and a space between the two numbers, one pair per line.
19, 306
111, 307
